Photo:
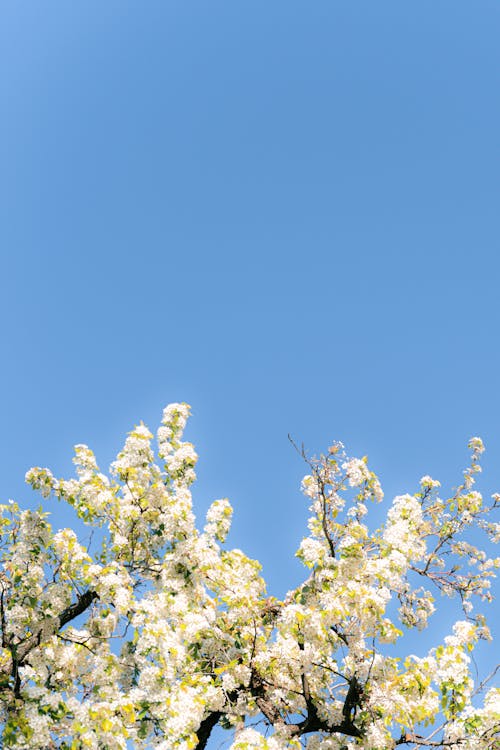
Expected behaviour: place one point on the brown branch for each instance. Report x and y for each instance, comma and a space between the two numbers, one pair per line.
83, 601
313, 465
19, 651
259, 690
352, 699
311, 723
417, 739
205, 729
2, 617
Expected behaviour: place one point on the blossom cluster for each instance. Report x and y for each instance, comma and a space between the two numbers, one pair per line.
159, 633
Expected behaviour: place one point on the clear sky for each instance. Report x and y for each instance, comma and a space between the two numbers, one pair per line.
285, 213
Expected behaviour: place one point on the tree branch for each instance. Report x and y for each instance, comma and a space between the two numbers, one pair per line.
19, 651
311, 723
205, 729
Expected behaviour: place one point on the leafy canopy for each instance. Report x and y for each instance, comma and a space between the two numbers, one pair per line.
163, 633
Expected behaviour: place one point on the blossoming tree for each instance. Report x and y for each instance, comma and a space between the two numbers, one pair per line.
163, 633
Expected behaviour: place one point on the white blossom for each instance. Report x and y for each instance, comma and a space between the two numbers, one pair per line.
144, 631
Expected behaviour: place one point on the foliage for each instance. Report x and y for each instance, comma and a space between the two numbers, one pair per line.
164, 633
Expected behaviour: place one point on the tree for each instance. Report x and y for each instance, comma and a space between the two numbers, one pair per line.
163, 633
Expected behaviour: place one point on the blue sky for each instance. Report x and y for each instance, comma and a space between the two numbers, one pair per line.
284, 213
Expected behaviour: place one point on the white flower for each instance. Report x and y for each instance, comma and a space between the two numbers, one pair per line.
428, 482
476, 445
219, 519
356, 471
311, 551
